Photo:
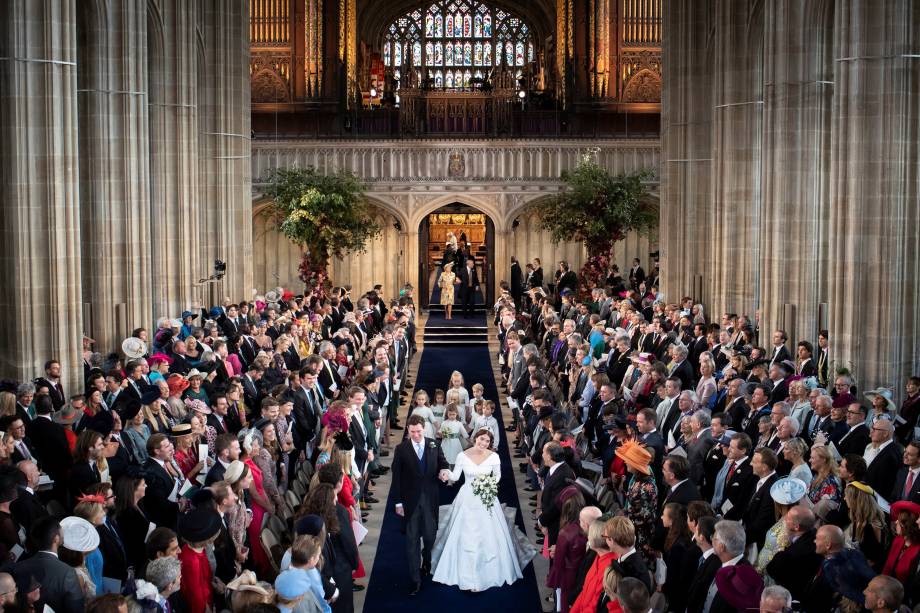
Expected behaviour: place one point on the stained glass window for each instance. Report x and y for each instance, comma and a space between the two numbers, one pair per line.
457, 34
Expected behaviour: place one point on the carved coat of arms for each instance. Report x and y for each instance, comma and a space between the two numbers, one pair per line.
456, 165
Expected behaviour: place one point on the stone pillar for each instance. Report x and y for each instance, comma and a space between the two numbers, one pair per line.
114, 188
173, 134
686, 147
737, 114
226, 192
873, 229
798, 86
40, 211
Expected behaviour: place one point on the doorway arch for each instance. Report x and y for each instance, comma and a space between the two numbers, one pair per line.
456, 216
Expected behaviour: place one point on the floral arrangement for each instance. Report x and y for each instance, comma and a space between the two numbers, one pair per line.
485, 487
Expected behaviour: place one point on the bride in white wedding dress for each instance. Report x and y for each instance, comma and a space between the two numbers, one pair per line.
478, 547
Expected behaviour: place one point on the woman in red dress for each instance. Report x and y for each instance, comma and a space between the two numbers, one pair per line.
198, 529
260, 504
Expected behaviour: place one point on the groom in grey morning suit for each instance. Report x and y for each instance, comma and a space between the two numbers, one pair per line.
418, 464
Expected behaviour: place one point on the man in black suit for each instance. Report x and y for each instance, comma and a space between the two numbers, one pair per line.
60, 588
699, 445
517, 287
681, 489
51, 447
568, 280
226, 450
708, 566
636, 274
740, 480
857, 437
22, 446
469, 285
558, 476
907, 483
795, 566
760, 514
85, 472
225, 553
621, 538
536, 278
27, 508
779, 353
52, 381
728, 542
682, 369
162, 484
418, 464
779, 375
883, 457
651, 438
329, 379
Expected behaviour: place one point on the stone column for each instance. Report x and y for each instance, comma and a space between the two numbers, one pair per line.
874, 217
737, 114
40, 211
686, 147
114, 171
226, 192
798, 85
173, 134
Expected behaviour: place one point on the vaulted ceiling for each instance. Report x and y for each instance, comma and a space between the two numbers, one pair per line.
374, 16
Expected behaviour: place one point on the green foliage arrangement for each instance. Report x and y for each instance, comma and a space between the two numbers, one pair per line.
327, 214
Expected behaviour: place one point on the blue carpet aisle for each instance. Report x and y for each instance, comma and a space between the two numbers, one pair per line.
389, 582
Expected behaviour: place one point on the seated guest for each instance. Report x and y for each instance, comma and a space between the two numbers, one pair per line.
592, 586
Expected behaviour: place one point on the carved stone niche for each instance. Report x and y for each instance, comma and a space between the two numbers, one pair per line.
268, 86
645, 86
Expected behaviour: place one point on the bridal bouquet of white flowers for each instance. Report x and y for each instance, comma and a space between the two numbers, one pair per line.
485, 487
448, 433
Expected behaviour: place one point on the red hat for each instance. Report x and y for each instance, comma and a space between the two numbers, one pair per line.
740, 586
177, 384
904, 505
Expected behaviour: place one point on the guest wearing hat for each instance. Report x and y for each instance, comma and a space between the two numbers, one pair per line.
197, 529
79, 539
641, 500
734, 587
159, 367
186, 455
786, 493
883, 406
195, 390
60, 588
307, 525
905, 549
67, 417
294, 592
868, 527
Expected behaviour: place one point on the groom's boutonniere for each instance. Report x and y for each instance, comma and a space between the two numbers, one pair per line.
431, 445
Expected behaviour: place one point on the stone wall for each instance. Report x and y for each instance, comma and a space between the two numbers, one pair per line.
790, 171
126, 153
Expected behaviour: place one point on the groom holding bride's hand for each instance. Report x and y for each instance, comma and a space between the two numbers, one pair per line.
418, 464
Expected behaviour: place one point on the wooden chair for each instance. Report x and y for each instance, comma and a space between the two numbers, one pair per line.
272, 548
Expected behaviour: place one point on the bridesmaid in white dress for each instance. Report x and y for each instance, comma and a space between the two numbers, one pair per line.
453, 398
457, 384
421, 407
452, 434
438, 408
478, 547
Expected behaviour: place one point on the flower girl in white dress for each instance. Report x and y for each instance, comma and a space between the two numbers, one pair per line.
420, 403
438, 408
478, 546
452, 434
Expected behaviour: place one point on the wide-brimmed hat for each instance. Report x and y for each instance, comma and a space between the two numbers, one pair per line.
272, 296
198, 525
636, 456
177, 384
617, 423
248, 582
885, 393
194, 373
181, 429
134, 347
79, 534
187, 314
198, 406
132, 407
787, 365
760, 362
740, 586
66, 415
234, 471
904, 505
788, 490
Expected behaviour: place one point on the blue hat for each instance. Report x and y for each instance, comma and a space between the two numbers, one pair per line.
292, 583
309, 524
215, 312
726, 438
186, 314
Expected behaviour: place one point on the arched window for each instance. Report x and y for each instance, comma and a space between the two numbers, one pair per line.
458, 34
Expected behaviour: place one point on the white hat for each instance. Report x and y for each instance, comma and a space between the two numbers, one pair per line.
194, 373
788, 490
134, 347
79, 534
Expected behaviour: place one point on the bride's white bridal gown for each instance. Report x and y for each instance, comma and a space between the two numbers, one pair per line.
478, 547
